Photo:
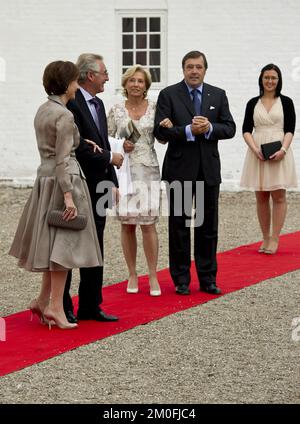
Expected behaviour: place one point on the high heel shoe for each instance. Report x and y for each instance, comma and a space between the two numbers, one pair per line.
36, 309
54, 320
132, 289
263, 245
156, 291
272, 246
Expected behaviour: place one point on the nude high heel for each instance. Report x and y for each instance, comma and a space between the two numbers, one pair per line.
272, 246
55, 320
264, 245
130, 288
156, 291
36, 309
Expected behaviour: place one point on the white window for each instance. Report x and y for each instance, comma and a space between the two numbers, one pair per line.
142, 40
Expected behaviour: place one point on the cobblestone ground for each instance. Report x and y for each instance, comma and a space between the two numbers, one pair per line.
235, 349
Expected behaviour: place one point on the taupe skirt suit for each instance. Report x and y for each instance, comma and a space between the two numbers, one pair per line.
38, 246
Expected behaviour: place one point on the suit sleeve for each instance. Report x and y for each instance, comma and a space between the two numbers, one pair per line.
248, 123
164, 110
63, 148
85, 151
289, 115
225, 127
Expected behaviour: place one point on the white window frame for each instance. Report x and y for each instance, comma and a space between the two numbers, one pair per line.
142, 13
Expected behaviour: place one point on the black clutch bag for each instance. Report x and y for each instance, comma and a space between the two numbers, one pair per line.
131, 132
268, 149
55, 219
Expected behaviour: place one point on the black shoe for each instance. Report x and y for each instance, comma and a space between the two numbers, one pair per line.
211, 289
96, 316
71, 317
183, 289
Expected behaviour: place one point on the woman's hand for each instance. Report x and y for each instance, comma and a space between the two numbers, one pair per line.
96, 148
279, 155
115, 195
71, 211
166, 123
258, 154
128, 146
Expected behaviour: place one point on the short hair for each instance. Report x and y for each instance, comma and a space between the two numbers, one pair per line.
130, 72
194, 54
58, 75
270, 67
86, 62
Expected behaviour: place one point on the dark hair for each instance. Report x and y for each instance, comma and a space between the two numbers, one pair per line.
270, 67
58, 75
194, 54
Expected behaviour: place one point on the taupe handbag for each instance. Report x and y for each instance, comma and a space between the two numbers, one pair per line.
55, 219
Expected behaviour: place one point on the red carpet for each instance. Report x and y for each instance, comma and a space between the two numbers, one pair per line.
29, 342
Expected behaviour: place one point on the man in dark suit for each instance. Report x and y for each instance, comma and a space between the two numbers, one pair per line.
200, 116
90, 117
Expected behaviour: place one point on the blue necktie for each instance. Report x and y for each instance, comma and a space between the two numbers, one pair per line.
100, 123
97, 107
196, 101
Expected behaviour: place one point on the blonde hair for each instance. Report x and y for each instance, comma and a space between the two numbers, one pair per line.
130, 72
87, 62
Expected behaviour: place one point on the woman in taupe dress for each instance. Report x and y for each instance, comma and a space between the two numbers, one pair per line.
60, 184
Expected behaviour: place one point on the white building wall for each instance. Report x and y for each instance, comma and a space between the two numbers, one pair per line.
237, 36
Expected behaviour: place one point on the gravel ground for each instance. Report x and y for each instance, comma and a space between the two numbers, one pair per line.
235, 349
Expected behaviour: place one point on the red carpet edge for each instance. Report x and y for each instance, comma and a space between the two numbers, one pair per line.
29, 342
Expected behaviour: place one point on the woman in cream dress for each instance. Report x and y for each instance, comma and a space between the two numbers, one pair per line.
272, 116
60, 184
133, 119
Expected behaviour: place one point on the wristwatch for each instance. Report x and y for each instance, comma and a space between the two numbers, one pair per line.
283, 149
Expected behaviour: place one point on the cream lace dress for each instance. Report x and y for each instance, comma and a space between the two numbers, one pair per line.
141, 205
268, 175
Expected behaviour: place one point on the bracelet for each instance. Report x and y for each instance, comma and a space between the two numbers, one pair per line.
283, 149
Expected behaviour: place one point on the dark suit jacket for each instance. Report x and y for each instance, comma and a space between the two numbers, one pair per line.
95, 166
183, 158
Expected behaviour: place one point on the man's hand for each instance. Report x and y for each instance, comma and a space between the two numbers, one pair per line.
96, 148
200, 125
166, 123
117, 159
128, 146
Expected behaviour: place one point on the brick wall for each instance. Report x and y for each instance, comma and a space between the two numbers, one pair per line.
238, 37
